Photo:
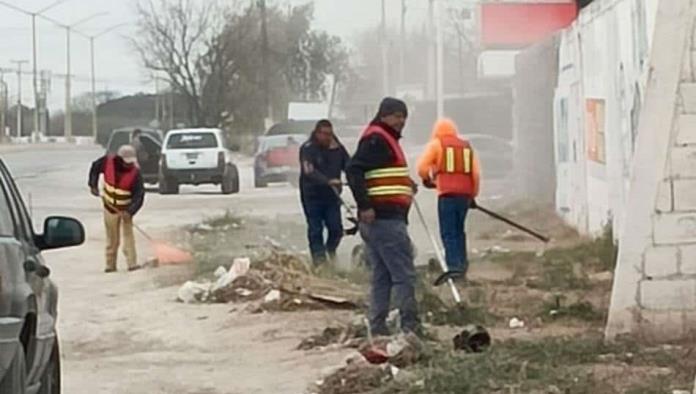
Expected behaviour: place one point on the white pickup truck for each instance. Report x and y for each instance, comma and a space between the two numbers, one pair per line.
197, 157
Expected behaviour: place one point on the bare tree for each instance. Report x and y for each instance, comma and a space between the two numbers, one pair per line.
173, 36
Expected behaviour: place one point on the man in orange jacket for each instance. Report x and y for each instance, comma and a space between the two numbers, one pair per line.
450, 165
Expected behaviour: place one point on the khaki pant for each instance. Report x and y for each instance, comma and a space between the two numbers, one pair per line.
114, 223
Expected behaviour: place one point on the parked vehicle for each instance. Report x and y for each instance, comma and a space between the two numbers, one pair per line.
292, 127
277, 159
29, 348
152, 141
197, 157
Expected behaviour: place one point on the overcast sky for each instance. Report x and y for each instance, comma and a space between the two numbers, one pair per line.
118, 67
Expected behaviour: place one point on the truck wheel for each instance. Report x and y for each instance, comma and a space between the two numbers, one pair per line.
230, 182
168, 186
50, 382
15, 379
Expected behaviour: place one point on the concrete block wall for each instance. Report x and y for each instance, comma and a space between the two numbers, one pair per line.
654, 295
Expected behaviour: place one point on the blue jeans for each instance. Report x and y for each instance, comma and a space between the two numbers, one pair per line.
389, 253
452, 211
320, 215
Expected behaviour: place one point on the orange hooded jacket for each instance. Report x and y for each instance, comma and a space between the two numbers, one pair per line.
432, 158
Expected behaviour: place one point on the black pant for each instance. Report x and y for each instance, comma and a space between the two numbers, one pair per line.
322, 214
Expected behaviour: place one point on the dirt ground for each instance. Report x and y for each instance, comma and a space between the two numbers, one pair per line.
125, 333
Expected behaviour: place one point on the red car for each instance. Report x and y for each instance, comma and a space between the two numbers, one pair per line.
277, 159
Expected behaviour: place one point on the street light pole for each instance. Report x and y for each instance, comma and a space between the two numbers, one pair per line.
95, 125
440, 61
35, 75
68, 92
68, 77
3, 106
19, 64
383, 35
92, 39
33, 15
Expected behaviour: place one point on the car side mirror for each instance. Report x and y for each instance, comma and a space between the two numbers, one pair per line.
61, 232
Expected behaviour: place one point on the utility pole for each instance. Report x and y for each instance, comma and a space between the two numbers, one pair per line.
68, 76
265, 59
3, 106
157, 102
95, 120
68, 92
35, 76
384, 41
431, 51
33, 15
440, 62
19, 64
402, 46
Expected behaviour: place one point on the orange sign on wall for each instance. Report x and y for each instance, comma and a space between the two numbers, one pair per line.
595, 127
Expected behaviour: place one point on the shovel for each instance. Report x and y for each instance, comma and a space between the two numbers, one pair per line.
165, 253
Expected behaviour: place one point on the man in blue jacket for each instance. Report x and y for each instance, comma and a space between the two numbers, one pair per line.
322, 160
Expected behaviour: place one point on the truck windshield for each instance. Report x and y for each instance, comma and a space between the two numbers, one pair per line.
192, 141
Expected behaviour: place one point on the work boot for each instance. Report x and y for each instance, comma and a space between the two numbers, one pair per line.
109, 270
134, 268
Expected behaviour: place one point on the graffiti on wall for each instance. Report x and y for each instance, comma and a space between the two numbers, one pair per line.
595, 110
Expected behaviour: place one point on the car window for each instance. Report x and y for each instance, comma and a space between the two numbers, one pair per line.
192, 141
302, 127
280, 141
19, 211
7, 228
118, 139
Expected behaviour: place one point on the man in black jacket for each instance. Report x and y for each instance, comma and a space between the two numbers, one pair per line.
123, 196
378, 175
322, 160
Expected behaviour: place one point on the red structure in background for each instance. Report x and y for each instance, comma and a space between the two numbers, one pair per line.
517, 25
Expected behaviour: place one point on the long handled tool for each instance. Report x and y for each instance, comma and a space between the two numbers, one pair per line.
438, 252
518, 226
165, 253
349, 212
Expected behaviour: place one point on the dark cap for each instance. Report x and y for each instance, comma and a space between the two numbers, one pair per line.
391, 106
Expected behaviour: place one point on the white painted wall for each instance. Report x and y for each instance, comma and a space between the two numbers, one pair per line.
603, 56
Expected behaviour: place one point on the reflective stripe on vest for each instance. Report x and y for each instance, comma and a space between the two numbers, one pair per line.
116, 194
387, 173
454, 163
390, 184
455, 173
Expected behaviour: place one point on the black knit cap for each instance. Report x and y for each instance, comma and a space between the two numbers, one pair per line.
391, 105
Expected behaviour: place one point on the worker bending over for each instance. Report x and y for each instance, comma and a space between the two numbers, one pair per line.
123, 196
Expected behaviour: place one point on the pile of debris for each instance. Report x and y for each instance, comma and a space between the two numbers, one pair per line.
281, 281
363, 371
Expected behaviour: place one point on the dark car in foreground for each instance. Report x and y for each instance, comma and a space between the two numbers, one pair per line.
29, 349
